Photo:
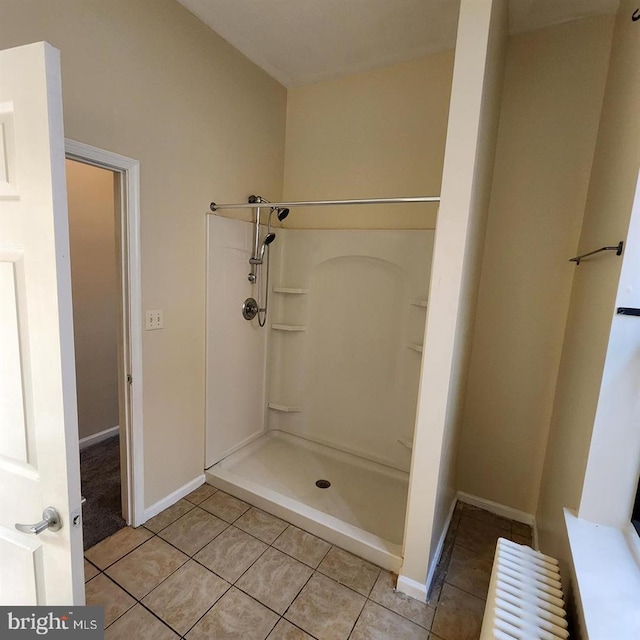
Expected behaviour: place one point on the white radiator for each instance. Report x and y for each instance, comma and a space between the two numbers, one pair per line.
525, 596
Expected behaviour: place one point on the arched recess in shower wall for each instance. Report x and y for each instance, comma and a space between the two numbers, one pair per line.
327, 390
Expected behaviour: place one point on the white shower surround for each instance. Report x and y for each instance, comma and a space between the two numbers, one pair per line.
236, 350
353, 372
343, 369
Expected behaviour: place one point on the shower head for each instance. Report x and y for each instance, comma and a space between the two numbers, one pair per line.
280, 211
268, 239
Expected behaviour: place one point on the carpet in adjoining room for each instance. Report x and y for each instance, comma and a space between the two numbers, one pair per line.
100, 475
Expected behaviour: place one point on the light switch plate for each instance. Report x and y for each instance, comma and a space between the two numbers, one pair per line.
153, 319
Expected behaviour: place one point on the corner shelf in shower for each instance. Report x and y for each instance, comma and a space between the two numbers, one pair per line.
290, 291
283, 408
420, 302
414, 346
288, 327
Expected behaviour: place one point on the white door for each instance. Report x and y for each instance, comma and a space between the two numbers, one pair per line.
39, 460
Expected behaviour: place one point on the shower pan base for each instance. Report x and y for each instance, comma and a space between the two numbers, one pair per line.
362, 510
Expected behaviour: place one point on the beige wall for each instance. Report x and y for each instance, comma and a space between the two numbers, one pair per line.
367, 135
147, 80
468, 166
554, 83
90, 194
606, 221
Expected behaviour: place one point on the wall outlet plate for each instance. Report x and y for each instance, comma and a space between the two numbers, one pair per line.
153, 319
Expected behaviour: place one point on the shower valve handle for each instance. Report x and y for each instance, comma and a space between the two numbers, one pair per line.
250, 309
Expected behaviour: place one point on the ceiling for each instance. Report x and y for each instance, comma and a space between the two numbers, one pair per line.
300, 42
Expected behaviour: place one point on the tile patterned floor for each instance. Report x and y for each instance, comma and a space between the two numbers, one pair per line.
212, 566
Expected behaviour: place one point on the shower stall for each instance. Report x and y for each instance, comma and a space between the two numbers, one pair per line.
311, 416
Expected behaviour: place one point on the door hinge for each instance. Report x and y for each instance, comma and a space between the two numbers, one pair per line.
129, 378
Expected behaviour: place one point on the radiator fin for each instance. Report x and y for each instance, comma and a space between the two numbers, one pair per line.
525, 600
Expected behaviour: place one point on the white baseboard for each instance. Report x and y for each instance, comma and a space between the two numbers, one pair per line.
502, 510
412, 588
172, 498
436, 556
99, 437
415, 589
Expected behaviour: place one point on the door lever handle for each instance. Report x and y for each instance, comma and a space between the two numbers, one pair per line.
50, 520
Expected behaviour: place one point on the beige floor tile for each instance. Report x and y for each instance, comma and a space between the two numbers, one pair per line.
526, 540
302, 546
487, 517
478, 536
452, 530
470, 571
284, 630
376, 623
224, 506
114, 547
203, 492
145, 567
89, 571
383, 593
347, 569
435, 589
521, 529
326, 609
138, 623
235, 616
262, 525
102, 591
166, 517
275, 579
185, 596
193, 530
458, 615
231, 553
445, 554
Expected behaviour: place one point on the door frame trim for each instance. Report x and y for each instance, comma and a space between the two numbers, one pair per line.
129, 170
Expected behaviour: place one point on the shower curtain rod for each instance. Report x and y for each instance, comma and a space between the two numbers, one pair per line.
322, 203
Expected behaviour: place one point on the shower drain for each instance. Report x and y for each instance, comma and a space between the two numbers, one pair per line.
323, 484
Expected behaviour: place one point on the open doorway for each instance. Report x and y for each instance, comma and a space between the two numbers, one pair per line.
95, 256
104, 231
